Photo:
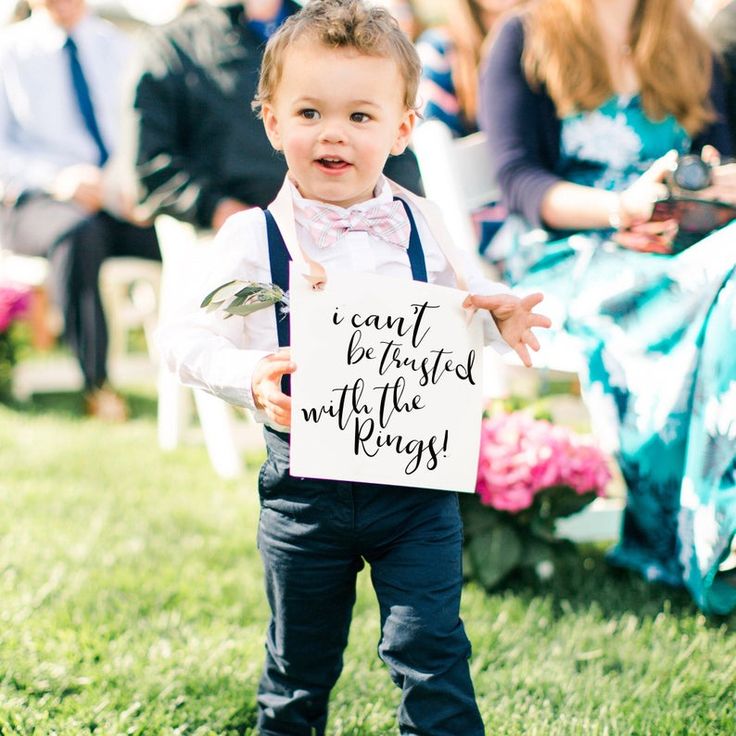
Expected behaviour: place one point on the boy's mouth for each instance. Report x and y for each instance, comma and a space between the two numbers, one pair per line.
333, 163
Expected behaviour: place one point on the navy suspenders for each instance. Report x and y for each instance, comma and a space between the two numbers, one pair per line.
279, 258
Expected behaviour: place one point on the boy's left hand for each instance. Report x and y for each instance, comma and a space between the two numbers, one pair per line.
515, 318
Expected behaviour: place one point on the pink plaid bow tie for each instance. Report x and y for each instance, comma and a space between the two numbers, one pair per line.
386, 221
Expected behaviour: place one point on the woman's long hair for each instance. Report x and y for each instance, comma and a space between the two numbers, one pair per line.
467, 31
673, 61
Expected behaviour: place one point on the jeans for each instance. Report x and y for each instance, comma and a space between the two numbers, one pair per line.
314, 537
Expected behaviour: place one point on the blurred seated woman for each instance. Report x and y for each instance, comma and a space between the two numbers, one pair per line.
450, 57
587, 104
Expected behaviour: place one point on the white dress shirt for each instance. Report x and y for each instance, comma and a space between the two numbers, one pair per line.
41, 128
219, 355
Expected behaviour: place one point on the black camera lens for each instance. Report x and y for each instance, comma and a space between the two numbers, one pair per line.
691, 173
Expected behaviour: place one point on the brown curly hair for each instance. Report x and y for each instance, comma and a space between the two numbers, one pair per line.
350, 24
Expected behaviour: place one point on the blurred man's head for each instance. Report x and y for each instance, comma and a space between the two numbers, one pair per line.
263, 10
65, 13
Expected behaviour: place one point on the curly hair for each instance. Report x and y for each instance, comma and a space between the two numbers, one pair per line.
341, 24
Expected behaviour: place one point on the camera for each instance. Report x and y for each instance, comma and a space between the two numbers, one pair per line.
691, 173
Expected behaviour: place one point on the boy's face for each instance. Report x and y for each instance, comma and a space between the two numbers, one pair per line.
337, 115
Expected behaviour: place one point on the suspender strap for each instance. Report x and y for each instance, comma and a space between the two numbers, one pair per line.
415, 252
279, 257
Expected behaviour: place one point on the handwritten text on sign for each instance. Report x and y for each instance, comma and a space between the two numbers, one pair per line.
387, 387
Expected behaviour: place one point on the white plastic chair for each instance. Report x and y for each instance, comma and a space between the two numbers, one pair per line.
129, 291
458, 176
182, 253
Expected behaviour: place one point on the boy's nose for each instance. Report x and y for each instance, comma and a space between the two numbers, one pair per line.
332, 132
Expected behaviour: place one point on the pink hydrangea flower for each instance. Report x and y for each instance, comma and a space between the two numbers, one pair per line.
520, 456
14, 302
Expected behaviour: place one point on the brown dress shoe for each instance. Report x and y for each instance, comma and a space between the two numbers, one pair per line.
106, 404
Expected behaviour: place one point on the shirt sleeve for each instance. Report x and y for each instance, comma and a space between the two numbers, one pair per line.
717, 133
20, 167
204, 349
513, 117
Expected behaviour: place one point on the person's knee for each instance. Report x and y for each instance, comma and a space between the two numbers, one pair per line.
429, 643
91, 238
84, 249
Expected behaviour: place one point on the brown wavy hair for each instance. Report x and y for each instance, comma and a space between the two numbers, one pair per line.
469, 35
673, 61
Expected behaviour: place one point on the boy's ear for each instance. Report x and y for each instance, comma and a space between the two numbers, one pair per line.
406, 127
271, 124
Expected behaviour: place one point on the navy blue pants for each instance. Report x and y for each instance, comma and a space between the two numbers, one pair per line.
314, 537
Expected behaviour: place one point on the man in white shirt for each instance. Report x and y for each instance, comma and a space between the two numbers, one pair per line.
61, 94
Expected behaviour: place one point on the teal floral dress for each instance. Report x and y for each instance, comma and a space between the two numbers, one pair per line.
659, 335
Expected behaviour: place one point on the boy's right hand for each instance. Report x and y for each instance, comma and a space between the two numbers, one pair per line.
266, 387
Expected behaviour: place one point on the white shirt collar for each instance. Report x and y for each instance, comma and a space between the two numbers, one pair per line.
54, 36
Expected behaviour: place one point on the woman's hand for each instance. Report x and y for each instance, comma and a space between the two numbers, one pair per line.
723, 187
636, 203
649, 237
266, 387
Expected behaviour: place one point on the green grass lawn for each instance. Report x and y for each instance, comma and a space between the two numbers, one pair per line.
131, 603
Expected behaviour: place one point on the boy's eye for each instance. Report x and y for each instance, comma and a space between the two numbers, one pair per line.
309, 114
359, 117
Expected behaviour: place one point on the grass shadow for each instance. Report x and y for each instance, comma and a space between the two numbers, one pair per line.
587, 578
70, 404
243, 721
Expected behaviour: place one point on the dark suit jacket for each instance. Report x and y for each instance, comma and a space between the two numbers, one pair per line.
196, 139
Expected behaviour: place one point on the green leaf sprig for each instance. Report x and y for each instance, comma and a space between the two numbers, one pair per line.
243, 297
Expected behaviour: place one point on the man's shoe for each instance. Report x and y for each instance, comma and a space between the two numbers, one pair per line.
105, 404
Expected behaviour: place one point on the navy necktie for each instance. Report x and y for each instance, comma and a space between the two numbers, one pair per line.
84, 101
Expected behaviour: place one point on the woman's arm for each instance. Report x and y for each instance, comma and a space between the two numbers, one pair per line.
523, 131
523, 135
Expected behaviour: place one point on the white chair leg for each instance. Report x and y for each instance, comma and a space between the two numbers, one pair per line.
182, 252
174, 409
217, 421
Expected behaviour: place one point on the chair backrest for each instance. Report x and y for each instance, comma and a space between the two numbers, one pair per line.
457, 176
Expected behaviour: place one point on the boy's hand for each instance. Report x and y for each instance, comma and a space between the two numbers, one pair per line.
266, 387
514, 318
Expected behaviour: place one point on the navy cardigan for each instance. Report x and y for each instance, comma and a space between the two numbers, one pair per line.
524, 130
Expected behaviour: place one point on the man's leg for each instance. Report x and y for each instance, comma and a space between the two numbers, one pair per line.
76, 243
417, 575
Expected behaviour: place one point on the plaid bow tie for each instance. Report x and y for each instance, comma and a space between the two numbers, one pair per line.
386, 221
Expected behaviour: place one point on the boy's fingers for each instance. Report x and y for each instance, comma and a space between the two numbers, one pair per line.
531, 300
531, 340
487, 301
523, 353
539, 320
277, 364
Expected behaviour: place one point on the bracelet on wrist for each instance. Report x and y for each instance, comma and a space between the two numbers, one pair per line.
614, 213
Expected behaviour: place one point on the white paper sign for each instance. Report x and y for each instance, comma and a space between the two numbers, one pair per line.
388, 383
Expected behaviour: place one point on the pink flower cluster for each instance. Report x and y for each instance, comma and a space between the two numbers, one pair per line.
520, 456
14, 302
